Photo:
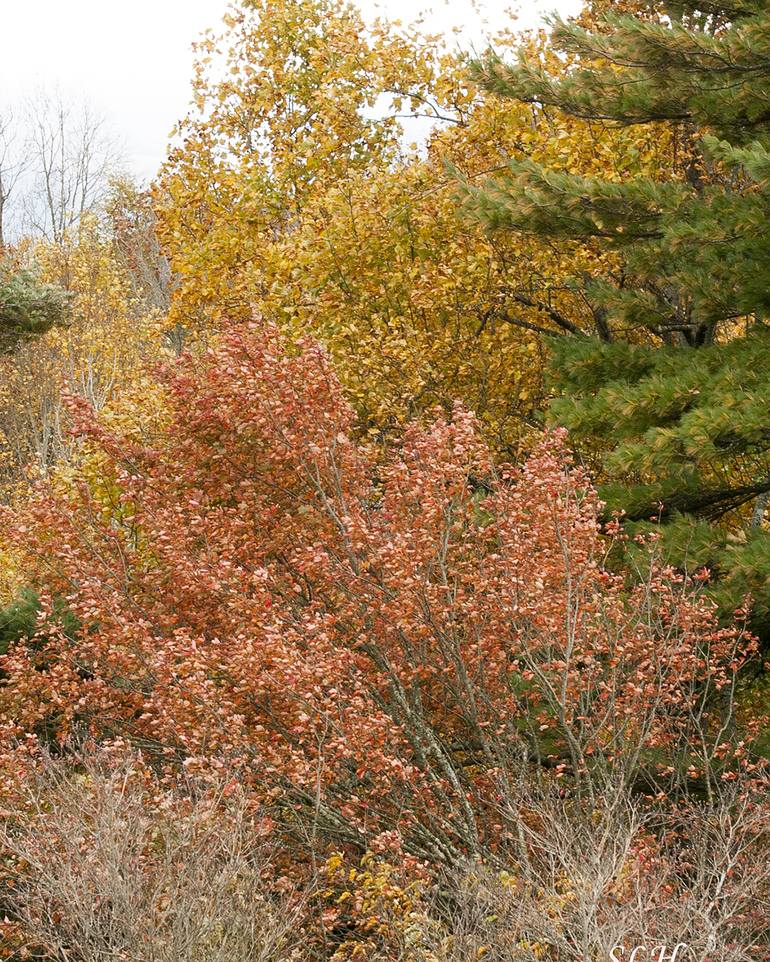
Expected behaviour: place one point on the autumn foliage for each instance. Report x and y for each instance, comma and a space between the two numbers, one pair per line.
320, 646
382, 644
378, 652
292, 187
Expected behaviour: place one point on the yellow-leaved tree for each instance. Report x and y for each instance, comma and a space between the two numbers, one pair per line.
292, 195
100, 354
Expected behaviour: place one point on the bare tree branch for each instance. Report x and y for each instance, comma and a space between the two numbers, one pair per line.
13, 164
72, 158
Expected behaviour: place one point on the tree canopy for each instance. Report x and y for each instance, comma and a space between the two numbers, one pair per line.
668, 383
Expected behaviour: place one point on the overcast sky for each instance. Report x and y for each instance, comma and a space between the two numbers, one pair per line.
132, 59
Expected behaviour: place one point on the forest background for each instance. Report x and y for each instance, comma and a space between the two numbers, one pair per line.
315, 615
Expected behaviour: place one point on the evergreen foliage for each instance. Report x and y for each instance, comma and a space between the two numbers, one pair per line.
20, 620
28, 306
672, 384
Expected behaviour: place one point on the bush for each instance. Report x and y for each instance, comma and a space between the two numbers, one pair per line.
28, 307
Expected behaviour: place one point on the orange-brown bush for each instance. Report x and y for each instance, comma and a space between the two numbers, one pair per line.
381, 650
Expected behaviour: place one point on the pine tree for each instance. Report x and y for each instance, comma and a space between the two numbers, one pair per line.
671, 386
28, 306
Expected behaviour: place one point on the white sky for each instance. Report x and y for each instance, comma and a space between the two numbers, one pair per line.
132, 59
